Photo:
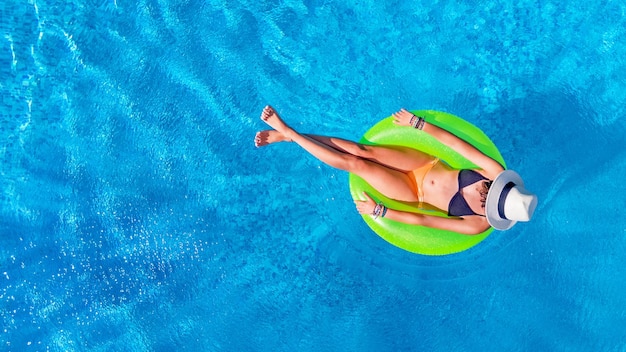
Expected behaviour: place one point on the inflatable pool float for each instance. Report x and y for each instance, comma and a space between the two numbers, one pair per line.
414, 238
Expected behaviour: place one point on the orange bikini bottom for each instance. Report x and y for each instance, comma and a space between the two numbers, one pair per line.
417, 176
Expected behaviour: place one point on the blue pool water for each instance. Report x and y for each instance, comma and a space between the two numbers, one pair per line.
138, 216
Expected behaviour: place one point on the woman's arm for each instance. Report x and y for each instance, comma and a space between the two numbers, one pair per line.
490, 167
469, 225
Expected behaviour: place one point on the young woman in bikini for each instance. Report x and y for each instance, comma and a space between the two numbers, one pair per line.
410, 175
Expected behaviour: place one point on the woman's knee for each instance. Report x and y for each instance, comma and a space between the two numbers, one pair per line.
356, 164
364, 151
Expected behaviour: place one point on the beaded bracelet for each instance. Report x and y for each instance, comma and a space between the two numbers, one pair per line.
417, 122
378, 210
421, 123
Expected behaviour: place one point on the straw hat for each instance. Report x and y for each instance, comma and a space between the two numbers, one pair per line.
508, 201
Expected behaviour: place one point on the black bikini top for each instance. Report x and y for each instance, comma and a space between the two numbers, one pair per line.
458, 205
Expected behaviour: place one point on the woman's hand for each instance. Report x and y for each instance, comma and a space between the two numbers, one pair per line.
402, 118
365, 206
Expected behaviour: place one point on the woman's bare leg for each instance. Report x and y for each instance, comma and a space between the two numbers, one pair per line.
392, 183
398, 158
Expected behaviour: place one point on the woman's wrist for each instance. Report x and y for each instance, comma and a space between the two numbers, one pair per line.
379, 210
417, 122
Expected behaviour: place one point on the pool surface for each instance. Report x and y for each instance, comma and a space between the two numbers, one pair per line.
137, 215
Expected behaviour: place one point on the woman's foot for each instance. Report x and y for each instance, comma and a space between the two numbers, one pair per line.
271, 118
266, 137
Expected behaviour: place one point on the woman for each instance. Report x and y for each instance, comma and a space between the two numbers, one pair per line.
475, 199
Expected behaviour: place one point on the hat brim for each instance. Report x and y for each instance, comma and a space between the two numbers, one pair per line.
493, 197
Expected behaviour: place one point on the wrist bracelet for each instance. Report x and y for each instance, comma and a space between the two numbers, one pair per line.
412, 121
417, 122
421, 123
377, 210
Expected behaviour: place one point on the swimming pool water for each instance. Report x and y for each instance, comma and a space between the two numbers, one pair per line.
138, 216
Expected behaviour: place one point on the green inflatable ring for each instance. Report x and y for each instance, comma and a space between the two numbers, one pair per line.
413, 238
